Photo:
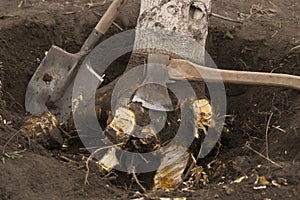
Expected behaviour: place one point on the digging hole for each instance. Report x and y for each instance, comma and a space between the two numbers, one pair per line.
20, 56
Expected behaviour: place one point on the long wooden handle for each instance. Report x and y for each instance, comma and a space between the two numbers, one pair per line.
109, 16
183, 69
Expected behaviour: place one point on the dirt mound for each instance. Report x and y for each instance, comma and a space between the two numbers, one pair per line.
262, 120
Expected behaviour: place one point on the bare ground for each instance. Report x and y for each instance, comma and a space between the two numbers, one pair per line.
264, 42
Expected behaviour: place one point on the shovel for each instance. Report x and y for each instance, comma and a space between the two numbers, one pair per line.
50, 88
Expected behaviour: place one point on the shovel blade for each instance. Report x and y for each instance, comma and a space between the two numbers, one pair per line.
154, 97
154, 94
50, 80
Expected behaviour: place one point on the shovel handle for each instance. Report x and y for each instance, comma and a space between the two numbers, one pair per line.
102, 26
109, 16
183, 69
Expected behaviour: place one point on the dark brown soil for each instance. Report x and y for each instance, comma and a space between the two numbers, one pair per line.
262, 43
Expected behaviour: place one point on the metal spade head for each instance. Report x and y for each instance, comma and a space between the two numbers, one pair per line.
50, 81
50, 88
153, 94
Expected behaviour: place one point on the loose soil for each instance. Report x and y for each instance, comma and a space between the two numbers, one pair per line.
264, 42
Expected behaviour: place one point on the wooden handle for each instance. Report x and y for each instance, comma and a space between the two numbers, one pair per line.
183, 69
110, 15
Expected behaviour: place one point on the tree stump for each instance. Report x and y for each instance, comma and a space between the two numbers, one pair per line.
128, 128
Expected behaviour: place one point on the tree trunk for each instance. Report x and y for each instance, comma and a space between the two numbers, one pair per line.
159, 20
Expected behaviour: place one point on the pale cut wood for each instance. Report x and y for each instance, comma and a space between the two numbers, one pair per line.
179, 69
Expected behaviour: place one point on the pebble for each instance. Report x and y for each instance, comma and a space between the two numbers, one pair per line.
228, 190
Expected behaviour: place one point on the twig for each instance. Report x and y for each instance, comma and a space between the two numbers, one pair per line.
13, 99
87, 150
226, 18
8, 141
14, 130
274, 34
280, 129
21, 4
118, 26
92, 4
66, 159
137, 181
86, 182
70, 13
194, 163
7, 16
294, 48
267, 134
114, 23
261, 155
68, 135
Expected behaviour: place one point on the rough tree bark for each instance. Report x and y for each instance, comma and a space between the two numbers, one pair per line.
189, 19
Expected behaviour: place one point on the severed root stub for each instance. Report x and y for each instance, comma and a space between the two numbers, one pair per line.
139, 130
43, 129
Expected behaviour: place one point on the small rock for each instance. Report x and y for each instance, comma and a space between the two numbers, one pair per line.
228, 190
229, 35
